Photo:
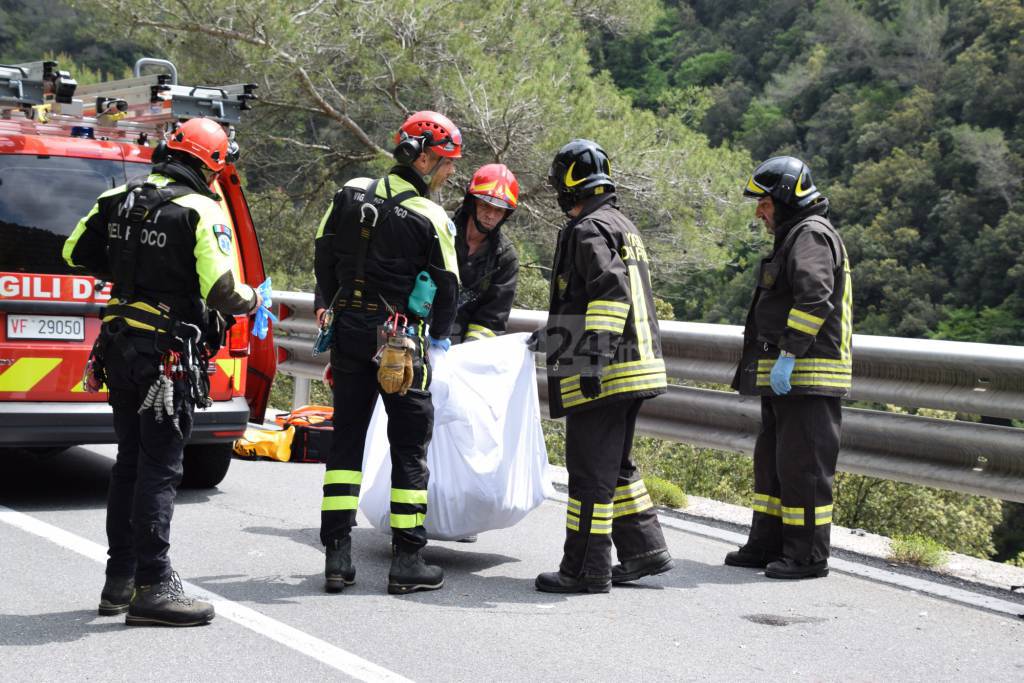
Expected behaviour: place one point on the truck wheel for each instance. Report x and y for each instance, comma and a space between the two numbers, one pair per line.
205, 465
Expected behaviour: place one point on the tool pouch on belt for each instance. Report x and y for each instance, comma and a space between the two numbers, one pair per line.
395, 373
216, 331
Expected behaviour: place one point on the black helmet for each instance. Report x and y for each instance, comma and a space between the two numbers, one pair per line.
581, 169
787, 180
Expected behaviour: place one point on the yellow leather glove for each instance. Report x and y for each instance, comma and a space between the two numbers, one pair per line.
395, 373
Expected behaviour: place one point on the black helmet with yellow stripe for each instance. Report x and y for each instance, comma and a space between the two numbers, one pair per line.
787, 180
581, 169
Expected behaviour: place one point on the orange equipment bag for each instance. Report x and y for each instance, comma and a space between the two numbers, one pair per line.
314, 432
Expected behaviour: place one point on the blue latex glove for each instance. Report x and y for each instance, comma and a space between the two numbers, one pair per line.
263, 315
443, 344
781, 372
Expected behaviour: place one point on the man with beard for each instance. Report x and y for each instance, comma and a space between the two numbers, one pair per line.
797, 357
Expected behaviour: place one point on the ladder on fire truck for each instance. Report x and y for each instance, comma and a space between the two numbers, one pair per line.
38, 97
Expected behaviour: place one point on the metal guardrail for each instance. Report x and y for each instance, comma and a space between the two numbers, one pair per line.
981, 379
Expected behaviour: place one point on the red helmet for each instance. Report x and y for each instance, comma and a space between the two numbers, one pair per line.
204, 139
496, 185
439, 132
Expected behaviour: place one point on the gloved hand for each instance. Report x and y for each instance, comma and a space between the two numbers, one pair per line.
264, 296
590, 385
535, 341
395, 372
443, 344
781, 372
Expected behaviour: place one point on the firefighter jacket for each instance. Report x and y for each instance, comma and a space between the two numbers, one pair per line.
803, 304
416, 235
488, 282
166, 262
601, 318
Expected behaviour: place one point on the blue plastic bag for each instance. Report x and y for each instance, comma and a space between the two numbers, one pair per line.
263, 315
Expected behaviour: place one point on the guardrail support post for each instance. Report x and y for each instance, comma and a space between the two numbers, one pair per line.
301, 395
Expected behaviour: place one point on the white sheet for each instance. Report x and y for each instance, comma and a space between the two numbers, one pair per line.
488, 463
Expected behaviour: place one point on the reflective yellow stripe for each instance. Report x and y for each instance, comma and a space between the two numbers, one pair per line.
847, 316
641, 319
613, 371
637, 488
805, 322
343, 477
141, 306
811, 380
601, 526
603, 510
26, 373
572, 523
823, 515
407, 521
793, 516
616, 309
574, 505
410, 496
323, 221
604, 324
768, 505
644, 383
340, 503
796, 325
631, 507
232, 367
479, 331
809, 364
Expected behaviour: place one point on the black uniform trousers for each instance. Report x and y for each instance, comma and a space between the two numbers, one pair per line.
145, 477
410, 424
608, 502
794, 465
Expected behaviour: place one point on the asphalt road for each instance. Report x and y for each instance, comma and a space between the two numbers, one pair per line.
253, 543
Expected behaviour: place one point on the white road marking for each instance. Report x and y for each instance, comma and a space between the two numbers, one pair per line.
322, 651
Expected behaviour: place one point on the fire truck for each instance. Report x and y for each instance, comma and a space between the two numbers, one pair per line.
61, 145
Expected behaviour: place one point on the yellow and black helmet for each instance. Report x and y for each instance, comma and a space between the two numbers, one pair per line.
787, 180
581, 169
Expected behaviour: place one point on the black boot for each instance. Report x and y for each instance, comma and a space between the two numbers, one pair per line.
639, 567
786, 568
338, 569
117, 591
165, 604
410, 573
751, 557
557, 582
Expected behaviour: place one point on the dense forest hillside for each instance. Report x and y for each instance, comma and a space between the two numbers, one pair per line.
909, 113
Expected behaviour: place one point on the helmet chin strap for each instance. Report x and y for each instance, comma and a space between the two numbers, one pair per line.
481, 228
429, 175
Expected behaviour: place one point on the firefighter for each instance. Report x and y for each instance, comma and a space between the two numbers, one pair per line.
488, 264
603, 351
373, 247
165, 243
797, 357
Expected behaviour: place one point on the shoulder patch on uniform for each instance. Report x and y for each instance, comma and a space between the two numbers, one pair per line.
222, 234
451, 227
